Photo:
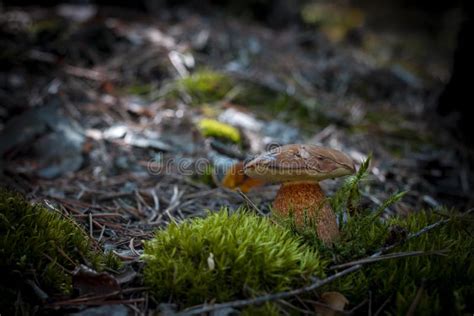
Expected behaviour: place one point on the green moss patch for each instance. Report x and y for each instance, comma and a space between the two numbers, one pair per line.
444, 282
226, 256
206, 86
41, 245
213, 128
205, 176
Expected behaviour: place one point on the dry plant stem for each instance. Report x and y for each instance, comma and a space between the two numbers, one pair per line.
307, 199
316, 284
389, 256
250, 202
416, 301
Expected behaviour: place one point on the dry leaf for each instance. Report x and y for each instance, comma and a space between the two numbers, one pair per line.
89, 281
331, 304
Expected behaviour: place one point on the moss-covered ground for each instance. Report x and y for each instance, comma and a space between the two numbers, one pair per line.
234, 255
38, 243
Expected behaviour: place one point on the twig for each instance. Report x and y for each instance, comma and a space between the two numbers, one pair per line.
75, 71
370, 303
302, 311
389, 256
96, 299
98, 215
101, 234
414, 235
101, 302
353, 310
91, 228
270, 297
416, 301
380, 309
316, 284
249, 201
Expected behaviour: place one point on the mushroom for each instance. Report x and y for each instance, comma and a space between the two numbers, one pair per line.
300, 168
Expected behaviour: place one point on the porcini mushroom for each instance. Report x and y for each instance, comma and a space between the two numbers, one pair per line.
300, 168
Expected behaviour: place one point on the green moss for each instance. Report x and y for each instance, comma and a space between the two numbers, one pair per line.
267, 309
213, 128
251, 256
42, 245
206, 86
205, 176
139, 89
446, 282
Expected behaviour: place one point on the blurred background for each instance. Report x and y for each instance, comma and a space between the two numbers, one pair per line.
97, 96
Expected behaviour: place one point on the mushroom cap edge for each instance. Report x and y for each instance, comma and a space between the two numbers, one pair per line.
299, 162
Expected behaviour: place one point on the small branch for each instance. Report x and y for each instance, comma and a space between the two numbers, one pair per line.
270, 297
75, 71
250, 202
352, 311
380, 309
389, 256
96, 299
316, 284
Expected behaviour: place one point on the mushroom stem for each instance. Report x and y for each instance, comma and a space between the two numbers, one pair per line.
307, 198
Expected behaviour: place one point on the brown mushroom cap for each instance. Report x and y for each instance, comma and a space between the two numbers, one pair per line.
298, 162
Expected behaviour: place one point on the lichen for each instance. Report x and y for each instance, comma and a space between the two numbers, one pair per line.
226, 256
213, 128
40, 244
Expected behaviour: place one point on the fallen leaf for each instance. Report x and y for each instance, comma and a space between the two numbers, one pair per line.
331, 304
88, 281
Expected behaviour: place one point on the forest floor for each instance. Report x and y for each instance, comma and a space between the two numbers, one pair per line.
101, 109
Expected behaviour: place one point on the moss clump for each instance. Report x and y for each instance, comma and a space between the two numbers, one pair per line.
205, 176
446, 282
206, 86
213, 128
42, 245
226, 256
